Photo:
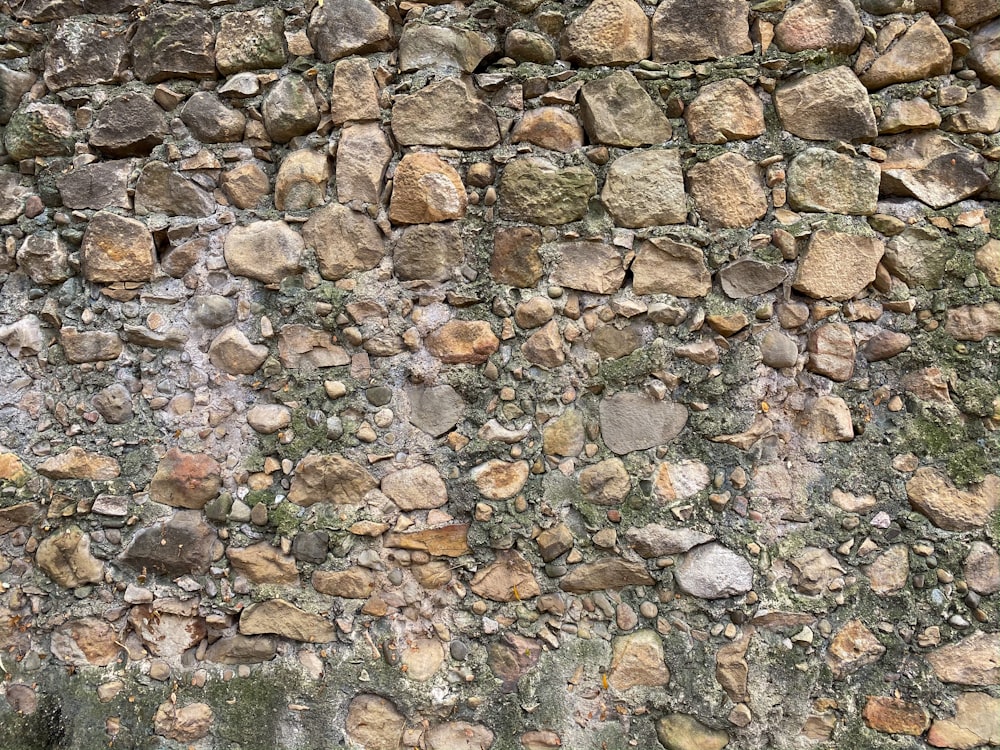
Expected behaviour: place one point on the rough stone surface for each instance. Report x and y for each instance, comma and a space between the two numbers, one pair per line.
425, 188
838, 266
429, 117
266, 250
345, 241
822, 180
537, 191
634, 421
728, 191
617, 111
711, 571
607, 32
646, 189
728, 110
682, 32
825, 106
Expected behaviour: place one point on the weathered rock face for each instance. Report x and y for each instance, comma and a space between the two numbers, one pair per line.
617, 111
824, 106
646, 189
429, 117
537, 191
607, 32
681, 32
822, 180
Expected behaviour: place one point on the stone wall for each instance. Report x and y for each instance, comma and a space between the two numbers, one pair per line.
511, 375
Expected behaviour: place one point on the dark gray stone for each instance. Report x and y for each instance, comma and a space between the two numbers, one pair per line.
129, 125
174, 41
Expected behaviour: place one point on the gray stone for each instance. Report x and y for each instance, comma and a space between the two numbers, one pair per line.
527, 46
265, 250
83, 54
423, 46
174, 41
345, 241
232, 352
635, 421
918, 256
14, 84
161, 189
985, 55
656, 540
182, 544
131, 124
606, 573
114, 403
445, 113
362, 157
211, 121
251, 40
289, 109
589, 266
646, 189
211, 310
823, 180
617, 111
778, 350
39, 129
428, 251
98, 185
712, 571
339, 28
748, 277
705, 31
435, 409
45, 258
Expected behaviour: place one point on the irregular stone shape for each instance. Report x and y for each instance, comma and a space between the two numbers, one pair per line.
83, 54
362, 157
278, 617
347, 27
549, 127
374, 722
554, 541
508, 578
890, 571
606, 573
895, 716
116, 248
22, 514
241, 649
435, 409
445, 113
516, 260
974, 660
354, 96
289, 109
680, 480
425, 189
635, 421
823, 180
183, 544
14, 84
300, 346
728, 191
908, 114
545, 347
262, 563
663, 266
825, 106
588, 266
828, 420
76, 463
458, 735
439, 47
748, 277
185, 723
89, 641
211, 121
973, 322
982, 568
655, 540
886, 345
976, 724
462, 342
607, 32
681, 732
212, 310
99, 185
302, 180
499, 480
23, 337
527, 46
65, 557
329, 479
948, 507
186, 480
269, 418
921, 52
617, 111
637, 660
39, 130
979, 114
711, 571
450, 540
162, 190
354, 583
833, 25
853, 647
416, 488
232, 352
264, 250
428, 251
251, 40
646, 188
245, 185
89, 346
606, 482
985, 55
345, 241
969, 13
832, 351
174, 41
838, 266
682, 31
169, 628
932, 169
564, 435
131, 124
728, 110
918, 256
535, 190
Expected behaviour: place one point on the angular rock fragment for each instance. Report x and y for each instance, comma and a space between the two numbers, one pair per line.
832, 351
748, 277
182, 544
302, 180
458, 735
617, 111
974, 660
14, 84
813, 570
680, 480
646, 189
527, 46
663, 266
345, 241
830, 105
823, 180
516, 260
39, 129
982, 568
922, 51
262, 563
435, 409
545, 346
838, 266
637, 660
886, 345
251, 40
212, 121
833, 25
330, 479
416, 488
588, 266
131, 124
183, 723
425, 189
463, 342
374, 722
423, 46
76, 463
985, 55
428, 251
890, 571
347, 27
656, 540
932, 169
508, 578
232, 352
976, 723
973, 322
162, 190
282, 618
66, 559
895, 716
908, 114
242, 649
606, 482
712, 571
264, 250
535, 190
970, 13
445, 113
354, 583
450, 540
918, 256
728, 110
354, 97
635, 421
98, 185
607, 32
168, 628
549, 127
83, 54
362, 157
185, 480
728, 191
174, 41
289, 109
854, 646
606, 573
89, 346
116, 248
245, 185
979, 114
948, 507
554, 541
88, 641
682, 31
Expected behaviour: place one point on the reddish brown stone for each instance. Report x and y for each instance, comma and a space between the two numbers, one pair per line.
186, 480
895, 716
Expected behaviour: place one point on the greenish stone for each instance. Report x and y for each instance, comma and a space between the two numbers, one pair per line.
537, 191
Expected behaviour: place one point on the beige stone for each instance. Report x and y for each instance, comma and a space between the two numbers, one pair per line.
302, 180
664, 266
932, 493
425, 189
267, 251
974, 660
823, 180
606, 573
908, 114
362, 157
617, 111
262, 563
498, 480
329, 478
278, 617
463, 342
825, 106
606, 482
354, 583
185, 480
838, 266
922, 51
728, 110
373, 722
445, 113
549, 127
852, 648
183, 723
976, 724
354, 96
76, 463
508, 578
646, 188
706, 31
116, 248
232, 352
982, 568
66, 559
588, 266
832, 351
416, 488
932, 169
681, 732
890, 571
637, 660
820, 24
607, 32
728, 191
345, 241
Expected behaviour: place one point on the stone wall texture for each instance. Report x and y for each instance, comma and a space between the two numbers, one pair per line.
515, 375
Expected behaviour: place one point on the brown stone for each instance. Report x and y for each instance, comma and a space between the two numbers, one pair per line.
682, 31
985, 55
608, 32
932, 493
554, 541
278, 617
823, 180
116, 248
65, 557
969, 13
416, 488
973, 322
168, 628
974, 660
637, 660
645, 189
838, 266
232, 352
89, 346
262, 563
251, 40
633, 421
886, 345
264, 250
922, 51
908, 114
545, 347
354, 96
731, 668
89, 641
663, 266
617, 111
853, 647
606, 573
241, 649
450, 48
445, 113
895, 716
76, 463
564, 435
354, 583
825, 106
682, 732
450, 540
300, 346
728, 110
728, 191
516, 260
832, 351
890, 571
373, 722
245, 185
458, 735
588, 266
331, 479
508, 578
186, 480
932, 169
498, 480
536, 190
549, 127
184, 543
301, 182
463, 342
981, 570
425, 189
183, 723
979, 114
833, 25
976, 724
345, 241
